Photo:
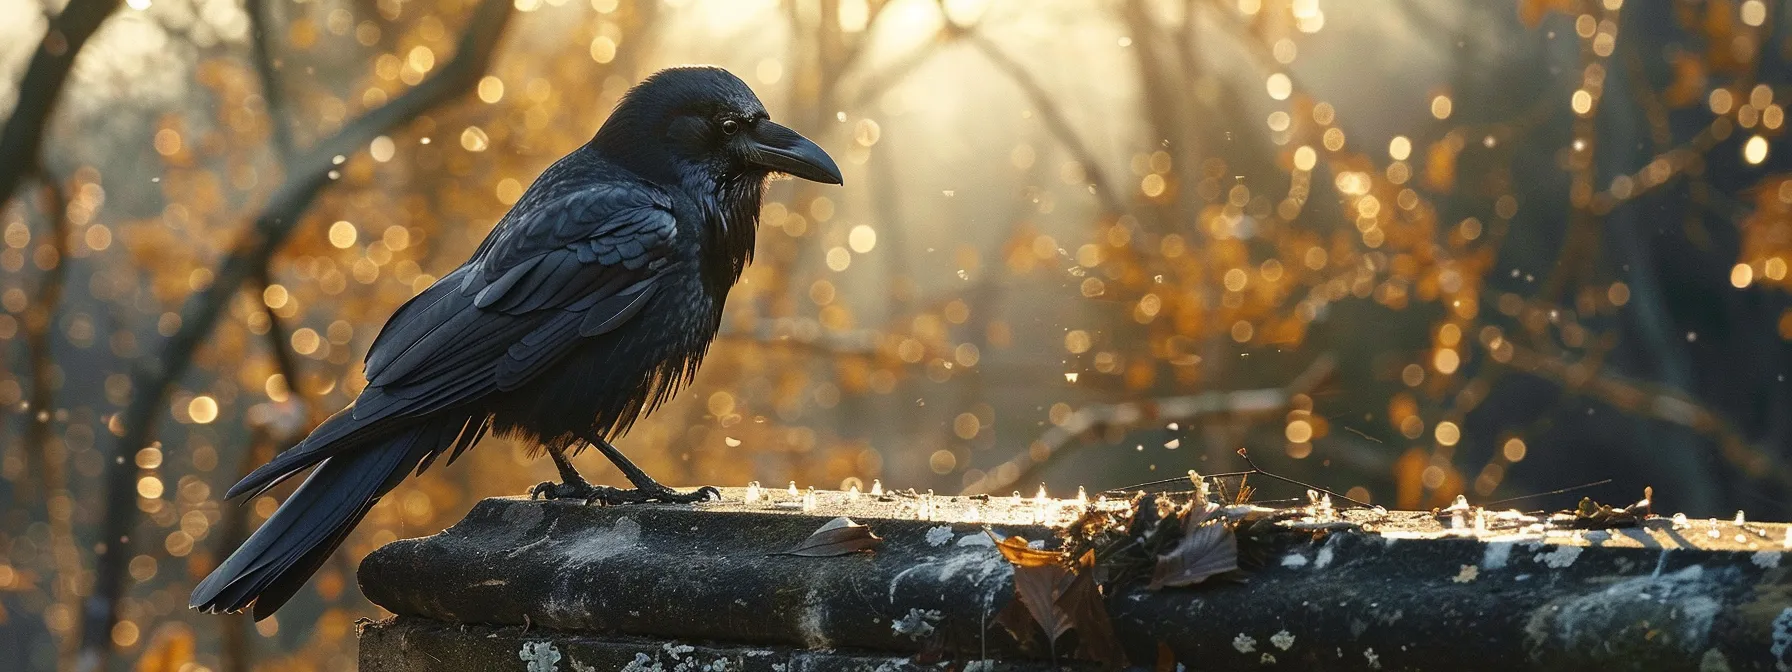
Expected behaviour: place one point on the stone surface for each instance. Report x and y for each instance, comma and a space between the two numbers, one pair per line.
1396, 590
413, 645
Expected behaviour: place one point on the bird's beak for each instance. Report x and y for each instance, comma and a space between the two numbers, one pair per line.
786, 151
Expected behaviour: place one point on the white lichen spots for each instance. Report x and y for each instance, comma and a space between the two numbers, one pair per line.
938, 536
1244, 643
975, 540
812, 622
1323, 558
1714, 661
917, 624
642, 663
539, 657
1294, 560
581, 667
1373, 659
620, 538
1466, 574
1267, 659
1766, 559
1560, 558
980, 666
1496, 555
1782, 637
1283, 640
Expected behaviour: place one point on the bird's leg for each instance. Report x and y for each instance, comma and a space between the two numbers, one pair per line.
646, 489
571, 485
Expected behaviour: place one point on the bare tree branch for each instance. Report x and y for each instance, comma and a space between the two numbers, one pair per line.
40, 325
153, 377
261, 51
1055, 121
1055, 443
40, 322
22, 138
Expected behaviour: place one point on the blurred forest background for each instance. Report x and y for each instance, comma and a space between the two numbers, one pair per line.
1407, 249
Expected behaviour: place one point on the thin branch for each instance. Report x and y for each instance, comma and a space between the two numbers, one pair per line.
261, 50
1658, 402
22, 138
308, 174
40, 322
1056, 442
1055, 122
873, 85
1266, 474
279, 340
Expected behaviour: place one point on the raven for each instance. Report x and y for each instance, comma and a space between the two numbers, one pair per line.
591, 302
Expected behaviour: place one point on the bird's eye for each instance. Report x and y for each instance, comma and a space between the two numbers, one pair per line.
730, 127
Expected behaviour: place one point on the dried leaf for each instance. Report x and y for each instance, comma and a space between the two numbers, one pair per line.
1166, 658
1038, 588
1019, 552
1208, 547
1087, 612
1058, 597
1592, 515
839, 536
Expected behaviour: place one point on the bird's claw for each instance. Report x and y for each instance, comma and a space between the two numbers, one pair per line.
571, 490
598, 494
663, 494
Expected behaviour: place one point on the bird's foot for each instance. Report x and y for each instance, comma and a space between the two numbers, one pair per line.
575, 490
653, 493
599, 494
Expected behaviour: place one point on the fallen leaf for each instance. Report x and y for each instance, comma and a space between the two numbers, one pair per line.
1208, 547
1058, 597
1021, 553
839, 536
1082, 603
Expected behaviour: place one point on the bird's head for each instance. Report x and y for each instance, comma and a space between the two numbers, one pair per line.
704, 121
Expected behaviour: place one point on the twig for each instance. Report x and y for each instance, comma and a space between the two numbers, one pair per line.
1170, 481
22, 138
153, 377
1259, 470
1570, 488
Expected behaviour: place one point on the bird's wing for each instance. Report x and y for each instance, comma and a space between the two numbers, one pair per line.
568, 268
576, 266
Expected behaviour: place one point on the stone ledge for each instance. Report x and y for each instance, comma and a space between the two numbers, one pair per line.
1392, 591
407, 644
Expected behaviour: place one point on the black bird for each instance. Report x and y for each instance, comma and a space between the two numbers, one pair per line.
591, 302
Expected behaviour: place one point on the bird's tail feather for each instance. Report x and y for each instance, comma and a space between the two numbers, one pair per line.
282, 555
